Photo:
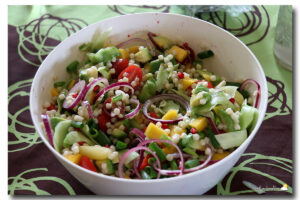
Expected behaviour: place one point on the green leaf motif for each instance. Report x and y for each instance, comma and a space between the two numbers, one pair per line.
282, 163
18, 183
37, 38
24, 139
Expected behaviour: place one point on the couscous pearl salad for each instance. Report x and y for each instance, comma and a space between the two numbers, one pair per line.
147, 109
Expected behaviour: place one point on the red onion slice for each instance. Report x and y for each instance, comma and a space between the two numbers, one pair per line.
135, 168
88, 107
138, 133
150, 36
191, 55
111, 86
252, 86
181, 165
80, 88
213, 126
100, 79
137, 41
136, 110
46, 121
173, 97
91, 85
126, 154
177, 155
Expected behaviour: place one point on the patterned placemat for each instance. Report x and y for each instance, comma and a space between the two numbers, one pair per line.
33, 31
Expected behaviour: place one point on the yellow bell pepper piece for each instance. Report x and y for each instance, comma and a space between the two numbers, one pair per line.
133, 49
187, 82
168, 150
179, 53
71, 84
54, 92
124, 54
170, 115
220, 156
199, 124
75, 158
154, 132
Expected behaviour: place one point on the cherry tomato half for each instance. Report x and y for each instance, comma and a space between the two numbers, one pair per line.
87, 163
132, 72
102, 120
120, 65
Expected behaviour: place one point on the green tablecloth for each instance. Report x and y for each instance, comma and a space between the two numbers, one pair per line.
32, 169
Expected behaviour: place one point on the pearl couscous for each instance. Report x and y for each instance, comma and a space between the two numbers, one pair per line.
147, 111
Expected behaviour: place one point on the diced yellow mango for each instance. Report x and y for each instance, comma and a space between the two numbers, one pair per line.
179, 53
133, 49
75, 158
124, 54
168, 150
187, 82
71, 84
154, 132
199, 124
170, 115
175, 130
219, 156
54, 92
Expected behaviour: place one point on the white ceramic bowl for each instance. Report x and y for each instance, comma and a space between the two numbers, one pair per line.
232, 60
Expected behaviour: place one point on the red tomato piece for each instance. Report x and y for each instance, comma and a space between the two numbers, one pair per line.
87, 163
102, 120
164, 126
51, 107
152, 114
232, 100
120, 65
132, 72
209, 84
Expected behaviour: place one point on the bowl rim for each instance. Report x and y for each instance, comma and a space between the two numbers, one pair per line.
262, 104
